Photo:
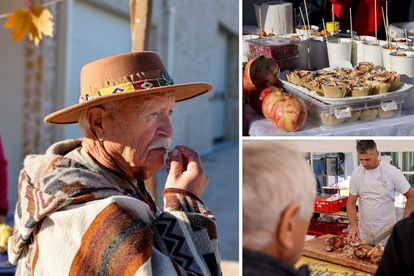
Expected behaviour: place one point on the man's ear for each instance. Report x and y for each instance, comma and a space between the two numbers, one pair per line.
95, 115
285, 233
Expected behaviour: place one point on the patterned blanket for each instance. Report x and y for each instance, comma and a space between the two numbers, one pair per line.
69, 220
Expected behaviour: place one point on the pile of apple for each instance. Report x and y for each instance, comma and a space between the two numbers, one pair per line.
287, 113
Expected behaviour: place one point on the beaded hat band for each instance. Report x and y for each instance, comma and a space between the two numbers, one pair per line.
124, 76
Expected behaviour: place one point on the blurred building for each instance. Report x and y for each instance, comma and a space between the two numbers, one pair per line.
197, 41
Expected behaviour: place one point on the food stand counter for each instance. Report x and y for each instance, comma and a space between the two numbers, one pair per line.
258, 125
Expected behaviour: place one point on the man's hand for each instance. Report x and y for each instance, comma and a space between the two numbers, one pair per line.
352, 217
353, 233
185, 171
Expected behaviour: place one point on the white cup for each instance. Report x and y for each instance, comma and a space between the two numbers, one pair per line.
319, 52
338, 50
405, 67
386, 58
313, 29
354, 50
358, 49
302, 62
373, 53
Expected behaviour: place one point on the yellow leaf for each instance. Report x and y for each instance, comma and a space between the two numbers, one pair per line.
21, 22
42, 20
36, 24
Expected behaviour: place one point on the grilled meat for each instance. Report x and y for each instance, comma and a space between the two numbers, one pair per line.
335, 242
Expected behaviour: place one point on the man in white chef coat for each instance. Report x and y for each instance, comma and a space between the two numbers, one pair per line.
375, 182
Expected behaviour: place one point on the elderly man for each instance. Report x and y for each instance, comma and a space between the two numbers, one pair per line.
83, 207
278, 201
375, 183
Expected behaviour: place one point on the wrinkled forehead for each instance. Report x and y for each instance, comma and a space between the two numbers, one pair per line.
141, 102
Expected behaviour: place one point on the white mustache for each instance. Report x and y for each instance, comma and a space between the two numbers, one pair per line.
161, 142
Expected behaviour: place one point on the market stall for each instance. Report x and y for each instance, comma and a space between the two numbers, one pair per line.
339, 83
335, 221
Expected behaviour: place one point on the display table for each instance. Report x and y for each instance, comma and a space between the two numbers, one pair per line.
338, 213
403, 126
319, 267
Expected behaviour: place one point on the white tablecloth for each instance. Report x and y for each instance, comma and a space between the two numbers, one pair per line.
402, 126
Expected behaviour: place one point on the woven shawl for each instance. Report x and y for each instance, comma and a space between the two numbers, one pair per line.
70, 220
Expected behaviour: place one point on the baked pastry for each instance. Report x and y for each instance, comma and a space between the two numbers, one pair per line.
361, 90
333, 90
289, 75
394, 78
299, 77
369, 114
387, 114
295, 37
365, 66
331, 119
354, 116
315, 84
380, 85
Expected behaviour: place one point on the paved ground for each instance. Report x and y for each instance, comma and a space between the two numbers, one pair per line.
222, 197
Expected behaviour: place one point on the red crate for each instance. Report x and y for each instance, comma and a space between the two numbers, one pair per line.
321, 205
320, 228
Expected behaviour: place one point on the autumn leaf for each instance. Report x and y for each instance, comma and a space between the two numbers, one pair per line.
21, 22
36, 24
42, 20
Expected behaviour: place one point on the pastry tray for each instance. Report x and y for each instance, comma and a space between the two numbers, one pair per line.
330, 113
293, 88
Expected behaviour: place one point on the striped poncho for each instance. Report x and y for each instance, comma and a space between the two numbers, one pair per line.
70, 220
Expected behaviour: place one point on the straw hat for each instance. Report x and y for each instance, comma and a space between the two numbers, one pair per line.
124, 76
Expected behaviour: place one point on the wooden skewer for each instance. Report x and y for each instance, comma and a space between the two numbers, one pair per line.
375, 8
385, 27
294, 13
326, 35
406, 37
260, 17
278, 19
284, 17
350, 20
388, 26
303, 19
307, 16
333, 19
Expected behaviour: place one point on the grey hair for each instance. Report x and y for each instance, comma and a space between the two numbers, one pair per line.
83, 122
365, 146
274, 177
